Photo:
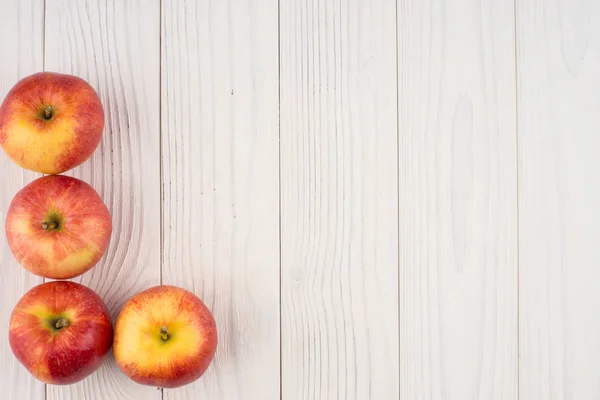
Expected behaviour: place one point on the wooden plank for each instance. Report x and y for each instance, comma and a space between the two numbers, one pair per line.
339, 209
115, 46
559, 101
220, 168
458, 211
21, 26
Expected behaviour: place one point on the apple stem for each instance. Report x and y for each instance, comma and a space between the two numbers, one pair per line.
164, 333
48, 112
61, 323
49, 225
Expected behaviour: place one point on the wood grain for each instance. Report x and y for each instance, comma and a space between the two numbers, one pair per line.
220, 168
114, 45
559, 123
339, 210
22, 49
458, 210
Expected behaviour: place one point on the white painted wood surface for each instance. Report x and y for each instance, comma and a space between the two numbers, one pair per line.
457, 196
115, 46
221, 184
378, 199
559, 126
339, 210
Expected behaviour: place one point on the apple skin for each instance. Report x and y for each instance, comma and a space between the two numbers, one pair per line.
64, 140
60, 356
190, 345
80, 237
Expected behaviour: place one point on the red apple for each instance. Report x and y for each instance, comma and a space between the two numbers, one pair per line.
165, 337
58, 227
51, 122
60, 331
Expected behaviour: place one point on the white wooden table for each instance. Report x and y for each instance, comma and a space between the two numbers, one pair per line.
378, 199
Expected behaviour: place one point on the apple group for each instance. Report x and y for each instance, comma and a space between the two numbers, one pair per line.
58, 227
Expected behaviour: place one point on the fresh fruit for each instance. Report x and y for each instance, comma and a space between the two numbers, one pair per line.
165, 337
58, 227
60, 331
51, 122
